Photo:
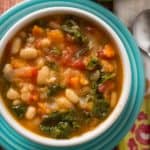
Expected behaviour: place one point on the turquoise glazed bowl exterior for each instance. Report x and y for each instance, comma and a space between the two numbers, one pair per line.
9, 138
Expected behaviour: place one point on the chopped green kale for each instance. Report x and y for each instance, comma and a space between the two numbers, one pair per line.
101, 108
106, 76
62, 124
19, 110
55, 89
92, 64
71, 27
53, 65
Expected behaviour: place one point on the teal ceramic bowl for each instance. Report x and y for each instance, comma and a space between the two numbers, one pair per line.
108, 138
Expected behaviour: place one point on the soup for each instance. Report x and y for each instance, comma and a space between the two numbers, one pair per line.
61, 76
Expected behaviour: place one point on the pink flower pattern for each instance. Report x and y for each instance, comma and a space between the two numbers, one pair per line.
140, 133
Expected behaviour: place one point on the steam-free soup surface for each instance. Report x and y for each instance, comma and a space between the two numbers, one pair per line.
61, 76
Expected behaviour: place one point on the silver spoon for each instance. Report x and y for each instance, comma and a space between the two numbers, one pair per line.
141, 30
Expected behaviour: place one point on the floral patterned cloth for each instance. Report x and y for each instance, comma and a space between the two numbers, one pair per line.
138, 137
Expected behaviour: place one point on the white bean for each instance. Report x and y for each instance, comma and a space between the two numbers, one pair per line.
45, 43
28, 53
30, 113
8, 72
12, 94
16, 102
16, 45
40, 62
86, 105
53, 107
63, 103
25, 96
26, 87
113, 99
43, 75
72, 96
52, 79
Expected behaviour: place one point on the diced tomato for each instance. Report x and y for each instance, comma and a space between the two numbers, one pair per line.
78, 64
34, 72
106, 86
31, 73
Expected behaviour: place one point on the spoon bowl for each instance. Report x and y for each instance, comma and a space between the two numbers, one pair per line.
141, 30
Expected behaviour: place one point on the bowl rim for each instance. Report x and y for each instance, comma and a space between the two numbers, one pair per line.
123, 97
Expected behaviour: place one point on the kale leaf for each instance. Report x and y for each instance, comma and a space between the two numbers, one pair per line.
55, 89
71, 27
101, 108
62, 124
92, 64
53, 65
19, 110
106, 76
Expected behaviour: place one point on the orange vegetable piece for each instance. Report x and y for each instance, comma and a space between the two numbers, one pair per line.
27, 72
18, 63
32, 73
34, 97
42, 108
56, 36
109, 51
74, 82
37, 31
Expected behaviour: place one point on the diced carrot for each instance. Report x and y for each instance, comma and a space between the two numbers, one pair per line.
43, 108
108, 52
74, 82
18, 63
37, 31
32, 72
26, 72
56, 36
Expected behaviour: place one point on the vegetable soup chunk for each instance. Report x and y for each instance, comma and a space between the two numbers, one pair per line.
61, 76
